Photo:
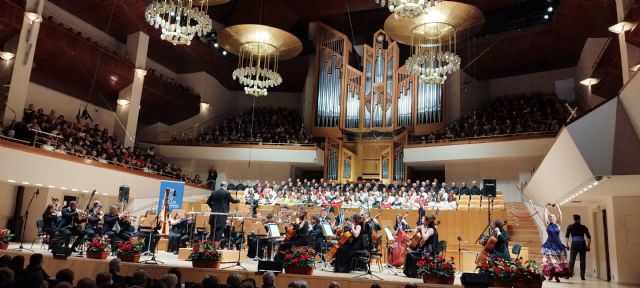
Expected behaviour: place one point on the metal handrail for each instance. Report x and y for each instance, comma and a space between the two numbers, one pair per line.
194, 126
237, 142
484, 137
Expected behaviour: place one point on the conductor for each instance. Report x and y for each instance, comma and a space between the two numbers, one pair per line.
219, 202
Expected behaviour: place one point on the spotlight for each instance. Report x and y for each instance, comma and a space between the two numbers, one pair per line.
216, 45
11, 181
7, 55
590, 81
550, 9
546, 17
224, 52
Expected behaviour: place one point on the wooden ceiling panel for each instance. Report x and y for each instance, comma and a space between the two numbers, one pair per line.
585, 18
609, 71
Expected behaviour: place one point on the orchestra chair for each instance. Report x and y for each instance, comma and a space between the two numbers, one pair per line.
44, 237
516, 249
362, 256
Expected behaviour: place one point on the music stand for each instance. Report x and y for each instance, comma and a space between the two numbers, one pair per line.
237, 264
155, 228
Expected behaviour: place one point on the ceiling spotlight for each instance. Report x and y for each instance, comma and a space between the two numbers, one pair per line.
63, 188
590, 186
140, 73
25, 182
11, 181
122, 102
105, 194
546, 17
33, 17
7, 55
216, 45
74, 189
224, 52
51, 186
590, 81
85, 191
621, 27
550, 9
204, 105
39, 185
596, 183
635, 68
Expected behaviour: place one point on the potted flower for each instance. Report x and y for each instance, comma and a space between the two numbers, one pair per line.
436, 271
98, 248
129, 251
501, 271
5, 237
527, 274
205, 254
299, 260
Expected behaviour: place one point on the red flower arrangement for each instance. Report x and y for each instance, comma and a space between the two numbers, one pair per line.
300, 257
499, 269
527, 270
436, 267
133, 246
5, 236
206, 250
99, 244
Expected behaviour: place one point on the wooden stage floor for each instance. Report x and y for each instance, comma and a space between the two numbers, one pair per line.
84, 267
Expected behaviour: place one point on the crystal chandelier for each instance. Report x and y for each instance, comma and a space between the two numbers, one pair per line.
180, 20
433, 56
257, 68
408, 8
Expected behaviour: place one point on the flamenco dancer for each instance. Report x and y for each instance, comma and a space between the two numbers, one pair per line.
554, 261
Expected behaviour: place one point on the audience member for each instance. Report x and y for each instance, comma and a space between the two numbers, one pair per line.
30, 280
298, 284
35, 266
169, 280
334, 284
4, 261
411, 285
140, 277
17, 265
64, 275
63, 285
104, 279
233, 281
6, 277
176, 271
114, 269
268, 280
248, 283
86, 283
376, 285
210, 281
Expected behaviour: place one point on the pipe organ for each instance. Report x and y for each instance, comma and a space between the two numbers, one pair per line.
381, 97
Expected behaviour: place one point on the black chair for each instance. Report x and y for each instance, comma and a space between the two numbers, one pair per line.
40, 234
361, 257
516, 249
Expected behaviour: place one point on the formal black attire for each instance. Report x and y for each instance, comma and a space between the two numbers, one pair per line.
123, 234
464, 190
316, 238
501, 249
68, 227
149, 234
176, 234
430, 246
398, 226
579, 235
475, 191
93, 227
50, 223
219, 202
211, 178
346, 253
301, 239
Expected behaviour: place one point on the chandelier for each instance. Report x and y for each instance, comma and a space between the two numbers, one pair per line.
259, 48
433, 56
408, 8
179, 20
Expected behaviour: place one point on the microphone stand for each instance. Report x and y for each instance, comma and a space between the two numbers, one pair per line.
237, 264
152, 234
24, 224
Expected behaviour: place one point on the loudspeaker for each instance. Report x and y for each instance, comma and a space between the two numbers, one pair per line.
475, 280
123, 193
269, 266
410, 266
489, 187
58, 249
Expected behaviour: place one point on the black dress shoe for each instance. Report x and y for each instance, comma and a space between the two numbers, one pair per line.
582, 278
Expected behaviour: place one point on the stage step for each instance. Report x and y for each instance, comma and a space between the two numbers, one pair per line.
523, 229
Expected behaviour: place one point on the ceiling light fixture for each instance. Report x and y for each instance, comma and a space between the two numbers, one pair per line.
74, 189
122, 102
179, 20
408, 8
140, 73
105, 194
11, 181
550, 9
33, 17
51, 186
546, 16
590, 81
63, 188
621, 27
7, 55
635, 68
433, 54
204, 105
259, 48
25, 182
38, 184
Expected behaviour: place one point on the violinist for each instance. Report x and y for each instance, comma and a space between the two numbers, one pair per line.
345, 254
69, 225
93, 222
50, 220
315, 235
230, 236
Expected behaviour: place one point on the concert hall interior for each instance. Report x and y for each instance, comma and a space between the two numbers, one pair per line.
339, 143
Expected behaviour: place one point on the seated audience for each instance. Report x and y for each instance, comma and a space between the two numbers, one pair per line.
6, 277
210, 281
268, 280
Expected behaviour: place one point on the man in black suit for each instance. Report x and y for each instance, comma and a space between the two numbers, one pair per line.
474, 189
68, 226
219, 202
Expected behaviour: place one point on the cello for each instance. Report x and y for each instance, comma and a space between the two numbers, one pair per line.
489, 244
291, 230
345, 238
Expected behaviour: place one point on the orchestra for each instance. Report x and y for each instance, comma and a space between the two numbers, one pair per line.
354, 235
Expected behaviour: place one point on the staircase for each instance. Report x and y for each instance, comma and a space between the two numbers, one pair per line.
523, 229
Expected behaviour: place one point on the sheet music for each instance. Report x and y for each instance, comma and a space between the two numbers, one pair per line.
326, 228
389, 234
274, 231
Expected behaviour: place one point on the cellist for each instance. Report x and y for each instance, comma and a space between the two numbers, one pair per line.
342, 263
297, 235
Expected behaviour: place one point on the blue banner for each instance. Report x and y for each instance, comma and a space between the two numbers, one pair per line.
176, 192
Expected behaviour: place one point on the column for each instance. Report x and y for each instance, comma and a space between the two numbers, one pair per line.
624, 57
129, 98
26, 47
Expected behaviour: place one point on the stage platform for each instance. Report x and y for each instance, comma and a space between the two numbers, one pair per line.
84, 267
